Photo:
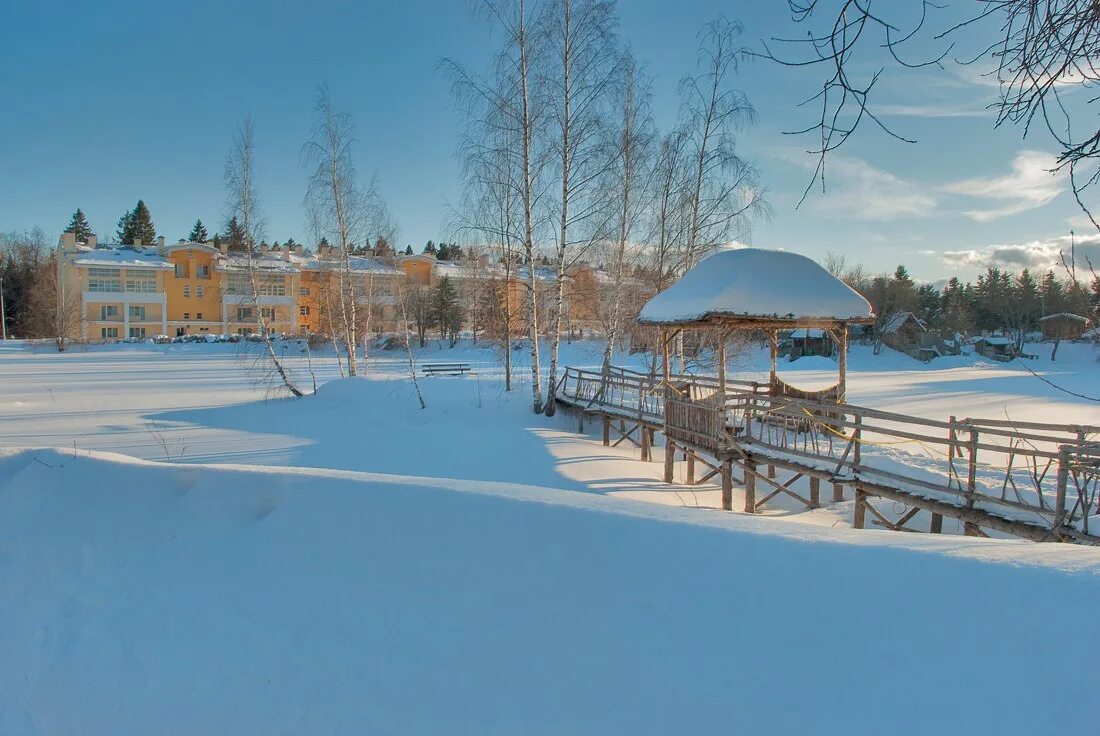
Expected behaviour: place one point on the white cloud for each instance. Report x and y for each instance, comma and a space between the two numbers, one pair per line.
858, 190
933, 110
1031, 184
1036, 254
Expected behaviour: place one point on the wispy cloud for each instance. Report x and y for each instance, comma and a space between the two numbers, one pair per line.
1036, 254
1030, 184
934, 110
856, 189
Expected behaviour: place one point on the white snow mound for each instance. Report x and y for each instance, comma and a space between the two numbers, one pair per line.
753, 282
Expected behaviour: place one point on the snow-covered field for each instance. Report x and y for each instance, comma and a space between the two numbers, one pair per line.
348, 563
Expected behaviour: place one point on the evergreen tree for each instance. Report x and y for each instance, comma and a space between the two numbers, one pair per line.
430, 248
1051, 297
928, 302
446, 311
1026, 301
408, 250
137, 225
198, 233
235, 237
79, 226
382, 247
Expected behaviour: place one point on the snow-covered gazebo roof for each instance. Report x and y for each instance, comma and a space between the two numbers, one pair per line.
752, 286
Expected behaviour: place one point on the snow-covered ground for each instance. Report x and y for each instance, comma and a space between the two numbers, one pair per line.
348, 563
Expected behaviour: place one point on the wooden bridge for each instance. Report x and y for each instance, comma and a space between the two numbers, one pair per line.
1024, 479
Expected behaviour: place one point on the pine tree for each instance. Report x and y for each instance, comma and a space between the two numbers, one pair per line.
79, 226
408, 250
446, 311
137, 225
430, 248
235, 236
382, 247
198, 233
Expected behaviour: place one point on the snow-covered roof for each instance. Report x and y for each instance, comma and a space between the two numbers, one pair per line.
186, 245
993, 340
812, 334
1064, 315
359, 264
757, 284
120, 256
239, 262
542, 273
896, 320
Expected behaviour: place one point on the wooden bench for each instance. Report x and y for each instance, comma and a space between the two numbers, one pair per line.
446, 369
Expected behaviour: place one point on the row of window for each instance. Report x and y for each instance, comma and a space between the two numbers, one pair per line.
111, 333
198, 291
138, 281
110, 311
202, 271
240, 284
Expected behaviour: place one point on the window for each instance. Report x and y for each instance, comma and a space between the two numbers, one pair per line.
204, 329
198, 315
137, 332
187, 315
269, 313
244, 330
273, 286
103, 279
109, 333
304, 311
244, 314
238, 284
107, 312
181, 270
198, 291
137, 312
141, 281
180, 332
187, 290
304, 291
202, 272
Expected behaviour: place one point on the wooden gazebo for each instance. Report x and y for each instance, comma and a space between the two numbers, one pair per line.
759, 290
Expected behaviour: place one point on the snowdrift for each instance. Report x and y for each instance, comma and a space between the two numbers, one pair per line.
144, 597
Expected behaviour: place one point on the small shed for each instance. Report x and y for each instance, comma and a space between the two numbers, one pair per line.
903, 331
763, 290
995, 347
1063, 326
805, 343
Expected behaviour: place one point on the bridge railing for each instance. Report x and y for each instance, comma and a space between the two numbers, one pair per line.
1042, 473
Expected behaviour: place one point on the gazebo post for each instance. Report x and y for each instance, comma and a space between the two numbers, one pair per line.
842, 363
773, 343
663, 336
722, 361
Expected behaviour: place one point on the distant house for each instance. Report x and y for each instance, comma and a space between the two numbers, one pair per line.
803, 343
995, 347
1063, 326
906, 333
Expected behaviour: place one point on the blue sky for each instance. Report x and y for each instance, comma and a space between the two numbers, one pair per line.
110, 102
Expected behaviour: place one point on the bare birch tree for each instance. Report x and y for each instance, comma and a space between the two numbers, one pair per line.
579, 76
242, 202
336, 208
510, 100
629, 179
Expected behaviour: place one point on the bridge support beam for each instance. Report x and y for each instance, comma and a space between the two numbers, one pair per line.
727, 485
690, 458
859, 516
838, 492
750, 487
647, 442
670, 459
606, 430
815, 492
935, 526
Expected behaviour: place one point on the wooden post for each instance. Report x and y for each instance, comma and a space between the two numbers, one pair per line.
1063, 484
860, 514
838, 492
773, 345
972, 468
842, 363
771, 470
727, 485
750, 488
936, 525
606, 430
722, 362
670, 459
664, 356
646, 439
815, 491
690, 467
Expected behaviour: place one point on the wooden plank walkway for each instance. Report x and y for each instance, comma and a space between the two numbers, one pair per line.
1025, 479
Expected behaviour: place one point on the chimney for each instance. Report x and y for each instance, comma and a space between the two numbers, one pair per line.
299, 248
224, 248
91, 241
160, 244
286, 253
264, 249
67, 244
